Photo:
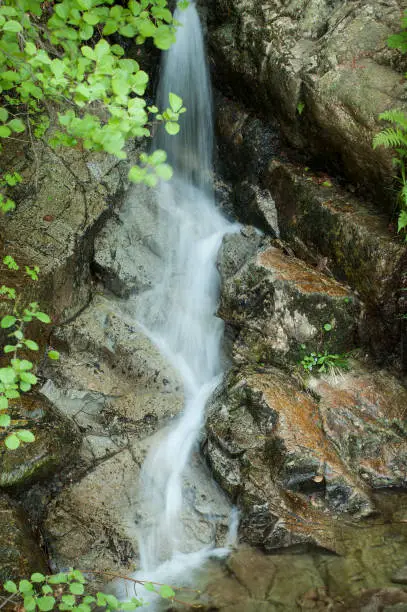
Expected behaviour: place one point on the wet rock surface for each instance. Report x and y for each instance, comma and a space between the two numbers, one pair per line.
20, 554
55, 444
277, 304
63, 201
329, 57
328, 225
293, 463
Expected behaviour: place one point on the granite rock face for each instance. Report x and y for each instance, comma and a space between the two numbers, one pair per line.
329, 59
279, 305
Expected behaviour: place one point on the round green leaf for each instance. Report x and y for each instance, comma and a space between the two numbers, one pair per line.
37, 577
166, 592
12, 442
164, 171
77, 588
327, 327
25, 586
29, 603
172, 128
12, 26
10, 586
46, 603
70, 600
7, 321
5, 420
26, 436
53, 355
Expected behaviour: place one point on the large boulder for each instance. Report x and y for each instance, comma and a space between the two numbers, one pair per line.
322, 67
292, 460
328, 226
63, 201
278, 306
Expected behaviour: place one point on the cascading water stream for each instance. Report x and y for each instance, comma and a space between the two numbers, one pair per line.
178, 312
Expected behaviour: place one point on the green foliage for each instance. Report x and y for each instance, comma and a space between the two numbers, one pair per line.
300, 107
58, 52
396, 137
69, 591
16, 376
324, 362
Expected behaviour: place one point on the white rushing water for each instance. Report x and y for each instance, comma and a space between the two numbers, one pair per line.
178, 313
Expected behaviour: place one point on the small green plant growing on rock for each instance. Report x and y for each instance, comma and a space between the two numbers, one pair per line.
17, 375
324, 362
69, 591
395, 137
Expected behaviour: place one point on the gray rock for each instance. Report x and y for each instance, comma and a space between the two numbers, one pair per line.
276, 303
329, 56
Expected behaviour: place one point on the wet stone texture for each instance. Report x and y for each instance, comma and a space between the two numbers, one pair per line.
293, 462
328, 58
349, 239
20, 554
55, 445
276, 303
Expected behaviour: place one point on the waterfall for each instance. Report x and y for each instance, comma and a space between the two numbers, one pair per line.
178, 313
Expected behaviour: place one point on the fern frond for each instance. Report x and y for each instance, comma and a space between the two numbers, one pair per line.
395, 115
390, 138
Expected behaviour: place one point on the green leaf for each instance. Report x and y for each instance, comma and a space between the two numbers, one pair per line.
158, 157
12, 26
70, 600
10, 586
77, 588
112, 602
16, 125
7, 375
5, 420
26, 436
25, 586
30, 344
402, 220
46, 589
327, 327
91, 17
12, 442
171, 128
3, 403
166, 592
3, 114
37, 577
28, 378
164, 171
4, 131
45, 603
327, 184
30, 48
86, 32
10, 348
164, 38
60, 578
41, 316
29, 603
175, 102
8, 321
54, 355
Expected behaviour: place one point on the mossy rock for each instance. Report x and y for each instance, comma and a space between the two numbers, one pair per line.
20, 555
55, 443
